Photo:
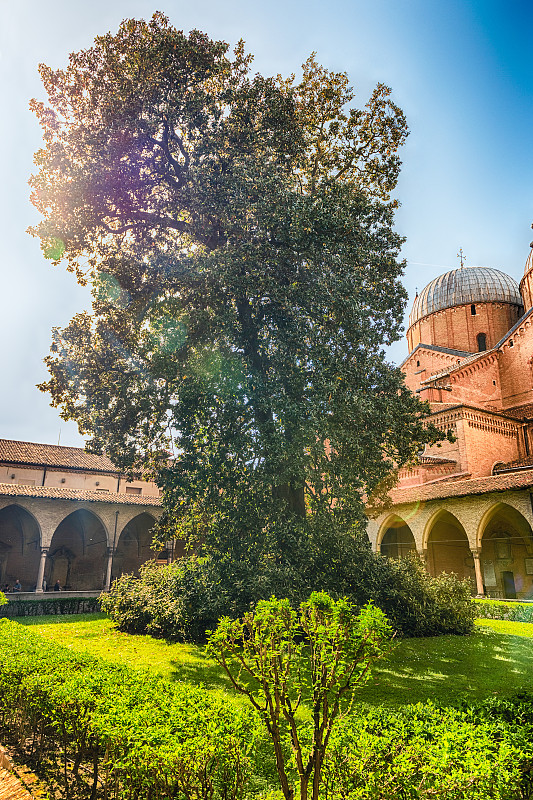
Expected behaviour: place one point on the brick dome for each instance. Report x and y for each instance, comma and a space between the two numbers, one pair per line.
458, 287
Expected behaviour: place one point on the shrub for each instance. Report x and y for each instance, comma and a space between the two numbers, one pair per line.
103, 728
423, 752
421, 605
176, 601
318, 655
49, 605
499, 609
184, 599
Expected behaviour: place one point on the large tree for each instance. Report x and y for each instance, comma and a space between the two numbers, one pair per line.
237, 232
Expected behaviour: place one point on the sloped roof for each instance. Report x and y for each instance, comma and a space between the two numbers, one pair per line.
493, 483
436, 348
51, 455
430, 460
81, 495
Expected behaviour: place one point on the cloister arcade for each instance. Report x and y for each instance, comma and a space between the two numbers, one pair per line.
82, 545
485, 539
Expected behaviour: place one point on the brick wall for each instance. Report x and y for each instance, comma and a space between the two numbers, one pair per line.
457, 328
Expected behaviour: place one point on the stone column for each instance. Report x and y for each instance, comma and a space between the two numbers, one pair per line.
170, 550
40, 572
477, 566
110, 554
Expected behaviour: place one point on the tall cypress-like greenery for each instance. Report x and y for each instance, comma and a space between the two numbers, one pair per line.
237, 232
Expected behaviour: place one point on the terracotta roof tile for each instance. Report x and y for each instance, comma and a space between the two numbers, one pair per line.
430, 460
51, 455
519, 412
85, 495
493, 483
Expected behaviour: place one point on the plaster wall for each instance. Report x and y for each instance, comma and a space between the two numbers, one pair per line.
53, 477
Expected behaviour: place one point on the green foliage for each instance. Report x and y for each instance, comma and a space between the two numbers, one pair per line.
184, 599
441, 669
421, 605
239, 238
499, 609
424, 752
49, 605
101, 728
278, 658
62, 710
3, 599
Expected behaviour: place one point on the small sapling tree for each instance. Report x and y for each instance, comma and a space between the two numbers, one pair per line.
280, 659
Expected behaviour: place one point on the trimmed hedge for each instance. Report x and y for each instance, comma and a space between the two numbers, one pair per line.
499, 609
49, 605
99, 729
422, 753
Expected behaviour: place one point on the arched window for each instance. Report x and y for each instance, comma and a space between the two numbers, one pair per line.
481, 342
473, 310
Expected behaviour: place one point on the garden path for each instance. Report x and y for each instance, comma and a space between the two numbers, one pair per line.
11, 788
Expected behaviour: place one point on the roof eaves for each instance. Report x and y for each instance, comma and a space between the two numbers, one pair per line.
76, 495
436, 349
458, 367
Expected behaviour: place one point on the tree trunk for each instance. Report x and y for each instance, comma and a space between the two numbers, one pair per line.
294, 498
304, 785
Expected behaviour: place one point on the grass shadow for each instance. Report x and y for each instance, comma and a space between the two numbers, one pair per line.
447, 669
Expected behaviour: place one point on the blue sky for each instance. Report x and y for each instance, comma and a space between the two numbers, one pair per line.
461, 70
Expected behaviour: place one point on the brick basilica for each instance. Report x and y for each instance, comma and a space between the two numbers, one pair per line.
467, 506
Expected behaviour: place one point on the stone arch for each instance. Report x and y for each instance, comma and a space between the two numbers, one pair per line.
447, 547
134, 545
505, 542
77, 556
395, 538
20, 547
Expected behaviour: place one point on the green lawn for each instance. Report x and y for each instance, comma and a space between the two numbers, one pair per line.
497, 659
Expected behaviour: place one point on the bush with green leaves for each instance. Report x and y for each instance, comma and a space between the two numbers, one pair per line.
98, 730
102, 730
421, 753
500, 609
184, 599
175, 601
44, 605
280, 658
